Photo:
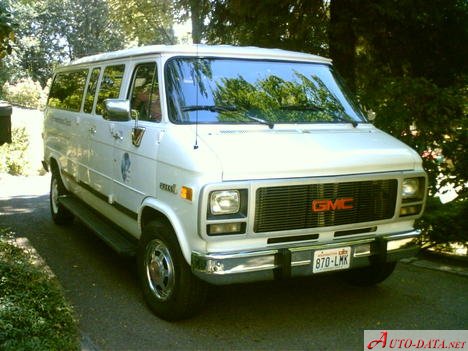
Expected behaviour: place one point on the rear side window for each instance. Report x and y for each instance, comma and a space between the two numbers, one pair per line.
66, 92
91, 91
110, 85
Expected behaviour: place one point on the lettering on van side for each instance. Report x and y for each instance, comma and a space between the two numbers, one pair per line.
170, 188
63, 121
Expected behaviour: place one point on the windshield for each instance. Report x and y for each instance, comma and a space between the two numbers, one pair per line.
218, 90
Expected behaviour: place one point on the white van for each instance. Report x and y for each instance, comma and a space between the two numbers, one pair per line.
223, 164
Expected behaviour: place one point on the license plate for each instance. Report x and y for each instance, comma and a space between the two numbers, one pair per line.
331, 259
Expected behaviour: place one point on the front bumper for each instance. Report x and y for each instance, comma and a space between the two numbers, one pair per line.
278, 263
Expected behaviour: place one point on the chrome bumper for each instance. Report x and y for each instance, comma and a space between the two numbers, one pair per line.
278, 263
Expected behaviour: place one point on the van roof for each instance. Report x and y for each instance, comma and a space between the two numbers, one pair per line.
204, 50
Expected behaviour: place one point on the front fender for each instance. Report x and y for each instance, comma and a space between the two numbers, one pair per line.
188, 239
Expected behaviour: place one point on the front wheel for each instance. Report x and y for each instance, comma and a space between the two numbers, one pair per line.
60, 215
374, 274
169, 287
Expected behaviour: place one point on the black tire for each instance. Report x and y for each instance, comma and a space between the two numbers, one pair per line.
374, 274
169, 287
60, 215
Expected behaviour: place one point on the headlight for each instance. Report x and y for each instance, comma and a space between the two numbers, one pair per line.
412, 188
225, 202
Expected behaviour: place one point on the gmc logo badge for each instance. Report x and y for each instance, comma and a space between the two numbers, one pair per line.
325, 205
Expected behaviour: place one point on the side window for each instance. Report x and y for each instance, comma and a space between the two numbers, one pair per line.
67, 90
110, 85
91, 91
144, 94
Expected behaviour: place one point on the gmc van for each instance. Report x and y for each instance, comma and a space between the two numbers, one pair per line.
223, 164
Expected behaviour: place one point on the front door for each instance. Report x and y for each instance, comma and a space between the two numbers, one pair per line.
136, 148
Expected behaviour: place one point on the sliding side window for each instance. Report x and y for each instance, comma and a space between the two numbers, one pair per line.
91, 91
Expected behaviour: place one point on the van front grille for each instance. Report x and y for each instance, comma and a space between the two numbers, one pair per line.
291, 207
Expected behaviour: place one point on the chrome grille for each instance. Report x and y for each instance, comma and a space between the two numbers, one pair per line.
290, 207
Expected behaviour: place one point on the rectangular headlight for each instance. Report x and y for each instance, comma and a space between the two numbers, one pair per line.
412, 189
224, 202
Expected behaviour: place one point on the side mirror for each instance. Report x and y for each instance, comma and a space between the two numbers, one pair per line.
116, 110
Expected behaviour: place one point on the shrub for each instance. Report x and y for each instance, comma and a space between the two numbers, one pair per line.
26, 93
432, 120
34, 314
444, 223
13, 158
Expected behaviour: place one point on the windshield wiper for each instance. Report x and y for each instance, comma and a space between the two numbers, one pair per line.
260, 120
211, 108
225, 108
337, 117
346, 119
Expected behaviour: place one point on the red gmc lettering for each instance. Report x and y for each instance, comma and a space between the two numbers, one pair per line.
330, 205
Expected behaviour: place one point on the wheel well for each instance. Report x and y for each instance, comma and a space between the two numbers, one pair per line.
149, 214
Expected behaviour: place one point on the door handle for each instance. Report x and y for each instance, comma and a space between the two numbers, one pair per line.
92, 130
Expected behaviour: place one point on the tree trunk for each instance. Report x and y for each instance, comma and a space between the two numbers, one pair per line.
342, 40
196, 7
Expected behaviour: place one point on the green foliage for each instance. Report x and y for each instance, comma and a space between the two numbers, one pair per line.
7, 34
54, 31
144, 21
33, 312
430, 119
26, 93
13, 158
445, 223
407, 62
292, 25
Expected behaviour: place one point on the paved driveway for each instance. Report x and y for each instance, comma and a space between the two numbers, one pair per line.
307, 314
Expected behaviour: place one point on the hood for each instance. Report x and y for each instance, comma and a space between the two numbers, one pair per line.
281, 153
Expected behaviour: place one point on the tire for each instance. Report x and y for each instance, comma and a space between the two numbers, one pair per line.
60, 215
372, 275
169, 287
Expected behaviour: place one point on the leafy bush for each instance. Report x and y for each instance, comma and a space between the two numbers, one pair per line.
33, 312
432, 120
444, 223
26, 93
13, 158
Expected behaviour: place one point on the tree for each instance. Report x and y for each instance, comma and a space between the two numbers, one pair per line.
50, 32
86, 25
197, 11
287, 24
144, 21
407, 63
7, 34
342, 39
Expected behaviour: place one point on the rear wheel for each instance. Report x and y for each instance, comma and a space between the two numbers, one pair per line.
376, 273
60, 215
169, 287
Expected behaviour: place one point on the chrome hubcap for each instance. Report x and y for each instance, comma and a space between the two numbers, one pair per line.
159, 269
